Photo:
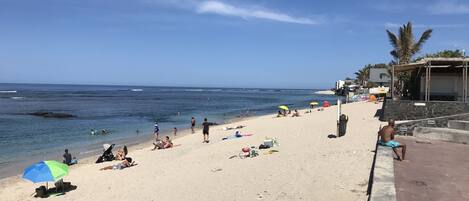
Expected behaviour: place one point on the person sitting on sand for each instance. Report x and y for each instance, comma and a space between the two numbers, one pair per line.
158, 145
67, 157
295, 114
386, 135
280, 114
124, 164
120, 154
167, 143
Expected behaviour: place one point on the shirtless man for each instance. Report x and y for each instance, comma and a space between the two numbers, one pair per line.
386, 135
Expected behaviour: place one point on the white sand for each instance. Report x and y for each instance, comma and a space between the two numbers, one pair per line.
308, 166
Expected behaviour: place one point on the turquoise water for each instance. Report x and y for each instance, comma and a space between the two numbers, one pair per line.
120, 109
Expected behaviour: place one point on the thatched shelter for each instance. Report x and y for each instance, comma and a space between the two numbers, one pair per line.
438, 79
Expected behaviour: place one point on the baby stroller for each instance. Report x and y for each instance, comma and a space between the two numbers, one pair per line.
107, 155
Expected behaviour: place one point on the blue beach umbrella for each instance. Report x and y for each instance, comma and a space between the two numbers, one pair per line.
45, 171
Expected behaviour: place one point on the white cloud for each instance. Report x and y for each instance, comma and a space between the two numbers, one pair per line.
395, 25
221, 8
448, 7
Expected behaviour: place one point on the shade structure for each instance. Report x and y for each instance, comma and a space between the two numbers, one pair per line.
45, 171
314, 103
283, 107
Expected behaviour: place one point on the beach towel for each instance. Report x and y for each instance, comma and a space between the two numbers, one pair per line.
234, 136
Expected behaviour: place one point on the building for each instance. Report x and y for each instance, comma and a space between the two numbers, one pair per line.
440, 89
380, 77
439, 79
439, 99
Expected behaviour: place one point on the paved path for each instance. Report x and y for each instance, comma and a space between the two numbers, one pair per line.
436, 171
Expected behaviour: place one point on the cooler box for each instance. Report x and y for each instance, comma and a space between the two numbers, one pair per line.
269, 142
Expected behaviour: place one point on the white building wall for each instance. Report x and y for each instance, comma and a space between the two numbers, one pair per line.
444, 85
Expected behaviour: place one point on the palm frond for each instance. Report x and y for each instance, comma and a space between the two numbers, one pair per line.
425, 36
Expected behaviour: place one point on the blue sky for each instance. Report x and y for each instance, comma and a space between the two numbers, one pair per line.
237, 43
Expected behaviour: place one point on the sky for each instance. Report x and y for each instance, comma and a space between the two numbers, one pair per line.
212, 43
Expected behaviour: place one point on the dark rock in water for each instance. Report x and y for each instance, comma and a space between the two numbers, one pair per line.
47, 114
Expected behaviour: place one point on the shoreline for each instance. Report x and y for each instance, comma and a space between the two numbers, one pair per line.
307, 166
133, 143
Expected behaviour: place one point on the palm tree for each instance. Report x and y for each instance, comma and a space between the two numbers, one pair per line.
404, 45
363, 74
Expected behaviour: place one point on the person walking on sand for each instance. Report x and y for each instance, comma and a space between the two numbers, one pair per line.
386, 135
157, 131
205, 130
193, 125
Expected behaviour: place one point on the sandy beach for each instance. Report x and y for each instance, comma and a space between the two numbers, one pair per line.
308, 166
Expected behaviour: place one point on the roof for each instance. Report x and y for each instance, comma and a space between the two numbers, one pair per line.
379, 75
434, 63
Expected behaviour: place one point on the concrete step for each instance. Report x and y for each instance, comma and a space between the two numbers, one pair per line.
458, 124
444, 134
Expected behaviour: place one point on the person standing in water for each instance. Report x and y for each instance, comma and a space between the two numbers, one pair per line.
193, 125
157, 131
205, 130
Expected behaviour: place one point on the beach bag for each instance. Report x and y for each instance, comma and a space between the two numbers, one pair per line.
269, 142
41, 192
263, 146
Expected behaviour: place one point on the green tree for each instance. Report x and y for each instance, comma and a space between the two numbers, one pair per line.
405, 47
363, 74
444, 54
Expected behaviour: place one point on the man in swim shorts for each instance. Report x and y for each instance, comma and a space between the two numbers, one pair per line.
386, 135
205, 129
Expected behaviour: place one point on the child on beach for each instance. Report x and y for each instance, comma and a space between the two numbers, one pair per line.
167, 143
157, 131
193, 125
205, 130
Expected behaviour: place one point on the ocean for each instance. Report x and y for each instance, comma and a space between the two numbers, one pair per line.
122, 110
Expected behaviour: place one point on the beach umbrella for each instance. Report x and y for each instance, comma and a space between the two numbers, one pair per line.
314, 103
45, 171
283, 107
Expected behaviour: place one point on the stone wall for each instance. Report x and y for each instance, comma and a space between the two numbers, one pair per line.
414, 110
407, 128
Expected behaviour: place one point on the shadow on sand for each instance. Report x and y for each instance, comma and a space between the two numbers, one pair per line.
56, 191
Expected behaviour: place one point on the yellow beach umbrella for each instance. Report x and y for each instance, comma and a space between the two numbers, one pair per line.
314, 103
283, 107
